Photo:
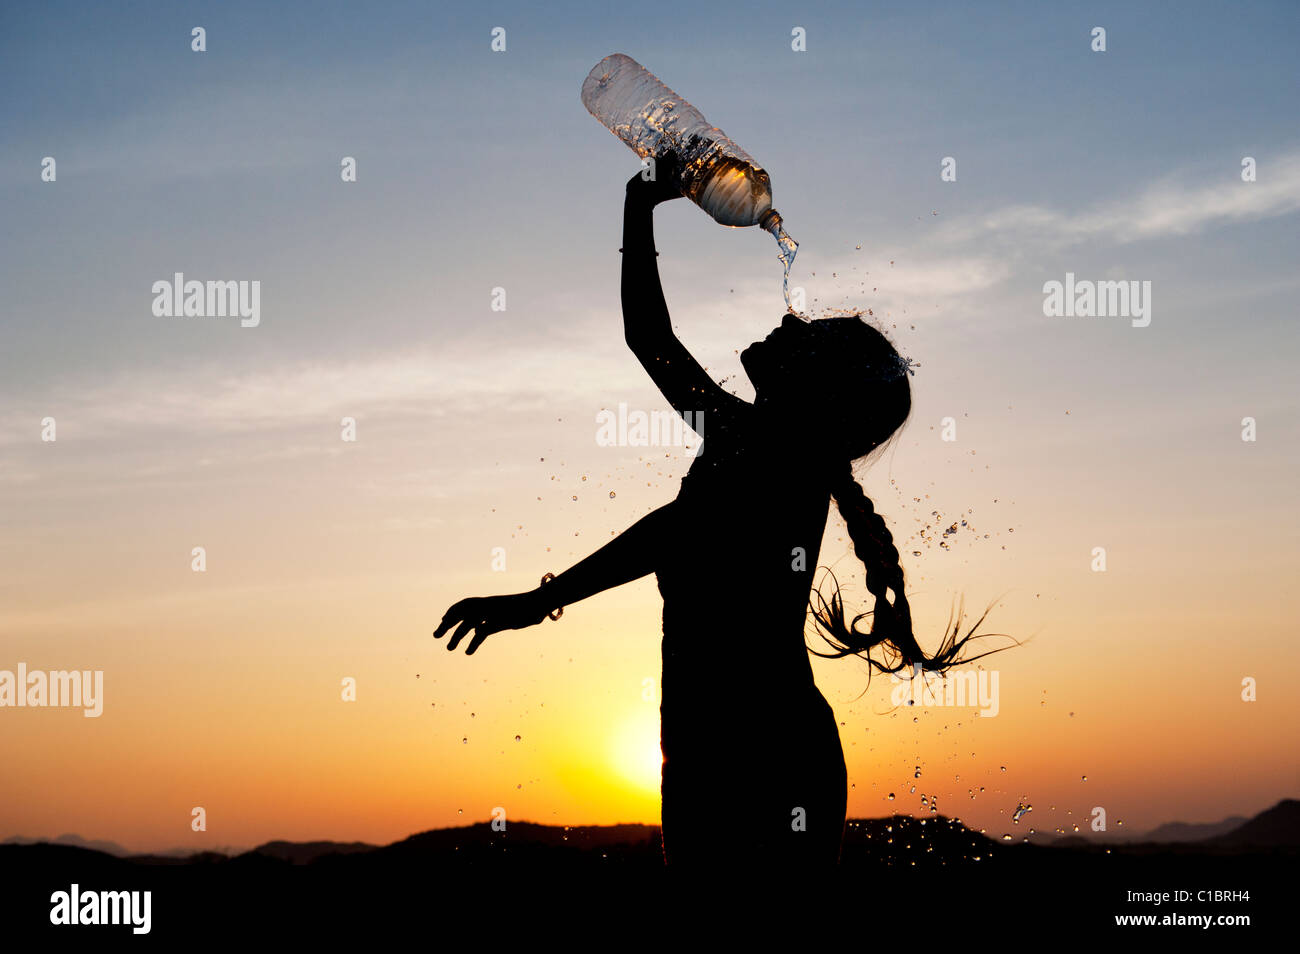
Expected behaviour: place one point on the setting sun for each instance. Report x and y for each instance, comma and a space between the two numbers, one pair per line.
634, 750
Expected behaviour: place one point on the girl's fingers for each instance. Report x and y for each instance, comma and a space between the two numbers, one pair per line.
480, 634
449, 618
457, 636
468, 614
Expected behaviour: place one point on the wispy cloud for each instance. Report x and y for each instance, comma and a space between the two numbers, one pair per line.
432, 384
1170, 208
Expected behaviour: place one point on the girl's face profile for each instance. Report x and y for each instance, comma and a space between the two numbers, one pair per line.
764, 359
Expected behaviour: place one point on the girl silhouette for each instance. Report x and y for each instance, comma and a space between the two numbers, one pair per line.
753, 770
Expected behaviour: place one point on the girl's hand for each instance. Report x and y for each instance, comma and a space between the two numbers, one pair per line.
664, 185
486, 615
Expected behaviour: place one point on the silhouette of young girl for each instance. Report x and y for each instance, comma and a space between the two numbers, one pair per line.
753, 771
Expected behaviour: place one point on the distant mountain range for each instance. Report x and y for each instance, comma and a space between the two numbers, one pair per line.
1275, 827
107, 847
886, 839
599, 881
113, 848
305, 852
1182, 831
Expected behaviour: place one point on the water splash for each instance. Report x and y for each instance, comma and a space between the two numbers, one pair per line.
787, 249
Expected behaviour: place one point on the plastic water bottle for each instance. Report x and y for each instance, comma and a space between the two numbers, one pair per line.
715, 173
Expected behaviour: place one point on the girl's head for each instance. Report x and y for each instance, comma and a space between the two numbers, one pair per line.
839, 378
842, 383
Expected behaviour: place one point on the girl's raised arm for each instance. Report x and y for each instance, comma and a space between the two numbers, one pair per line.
646, 323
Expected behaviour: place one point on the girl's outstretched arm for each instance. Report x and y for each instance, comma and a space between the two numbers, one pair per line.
631, 555
647, 326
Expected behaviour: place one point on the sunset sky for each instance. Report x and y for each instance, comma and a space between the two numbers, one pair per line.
476, 428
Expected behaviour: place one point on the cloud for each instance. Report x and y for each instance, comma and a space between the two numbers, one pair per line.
977, 253
1166, 209
428, 383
